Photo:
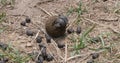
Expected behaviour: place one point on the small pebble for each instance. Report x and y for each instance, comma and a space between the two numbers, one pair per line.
70, 30
49, 57
29, 33
29, 45
78, 31
23, 23
39, 39
95, 55
28, 20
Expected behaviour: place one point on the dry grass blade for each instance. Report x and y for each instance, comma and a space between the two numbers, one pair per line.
38, 54
35, 39
83, 55
58, 50
83, 37
72, 22
36, 36
106, 26
49, 50
66, 52
2, 16
102, 40
21, 14
46, 11
36, 44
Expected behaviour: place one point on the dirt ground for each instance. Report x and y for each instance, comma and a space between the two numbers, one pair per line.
104, 14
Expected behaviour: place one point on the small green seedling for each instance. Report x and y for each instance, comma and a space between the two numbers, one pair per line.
2, 16
83, 38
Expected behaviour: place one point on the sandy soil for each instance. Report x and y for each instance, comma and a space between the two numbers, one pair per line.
100, 13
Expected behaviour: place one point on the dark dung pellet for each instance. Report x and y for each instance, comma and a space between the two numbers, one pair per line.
90, 61
49, 57
39, 39
40, 59
23, 23
29, 33
28, 20
44, 52
41, 46
3, 46
70, 30
48, 38
95, 55
78, 30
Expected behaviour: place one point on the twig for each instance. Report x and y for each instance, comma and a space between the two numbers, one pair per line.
21, 15
36, 36
35, 39
87, 54
19, 18
66, 52
50, 50
38, 54
45, 11
37, 44
16, 15
72, 23
43, 2
58, 50
77, 56
109, 20
106, 26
